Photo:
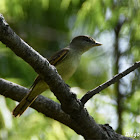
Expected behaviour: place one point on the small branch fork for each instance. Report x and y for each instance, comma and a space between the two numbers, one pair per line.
116, 78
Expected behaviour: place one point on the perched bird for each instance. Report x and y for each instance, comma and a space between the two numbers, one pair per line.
66, 62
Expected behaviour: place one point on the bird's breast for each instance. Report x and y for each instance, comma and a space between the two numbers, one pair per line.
68, 66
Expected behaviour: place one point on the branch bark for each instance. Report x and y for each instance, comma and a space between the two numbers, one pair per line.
42, 104
83, 123
52, 109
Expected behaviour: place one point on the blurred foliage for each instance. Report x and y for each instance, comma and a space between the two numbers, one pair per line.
48, 26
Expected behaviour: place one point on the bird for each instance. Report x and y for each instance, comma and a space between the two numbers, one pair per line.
66, 62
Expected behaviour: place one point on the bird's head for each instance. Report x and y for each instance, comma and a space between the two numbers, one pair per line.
83, 43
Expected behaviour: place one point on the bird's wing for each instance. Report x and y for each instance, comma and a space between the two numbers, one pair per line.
37, 79
54, 60
59, 56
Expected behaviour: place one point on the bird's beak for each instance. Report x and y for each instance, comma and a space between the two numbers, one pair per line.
98, 44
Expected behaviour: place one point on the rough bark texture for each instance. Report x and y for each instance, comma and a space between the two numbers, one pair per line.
74, 115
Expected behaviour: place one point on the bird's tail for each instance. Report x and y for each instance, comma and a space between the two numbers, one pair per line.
24, 104
37, 88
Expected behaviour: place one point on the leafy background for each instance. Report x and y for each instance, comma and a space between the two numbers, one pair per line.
48, 26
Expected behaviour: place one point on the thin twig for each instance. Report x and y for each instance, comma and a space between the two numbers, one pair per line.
95, 91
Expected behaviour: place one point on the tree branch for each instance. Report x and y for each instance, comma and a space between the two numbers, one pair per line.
42, 104
51, 109
116, 78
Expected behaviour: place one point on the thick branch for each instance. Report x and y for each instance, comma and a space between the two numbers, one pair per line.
116, 78
42, 104
50, 108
